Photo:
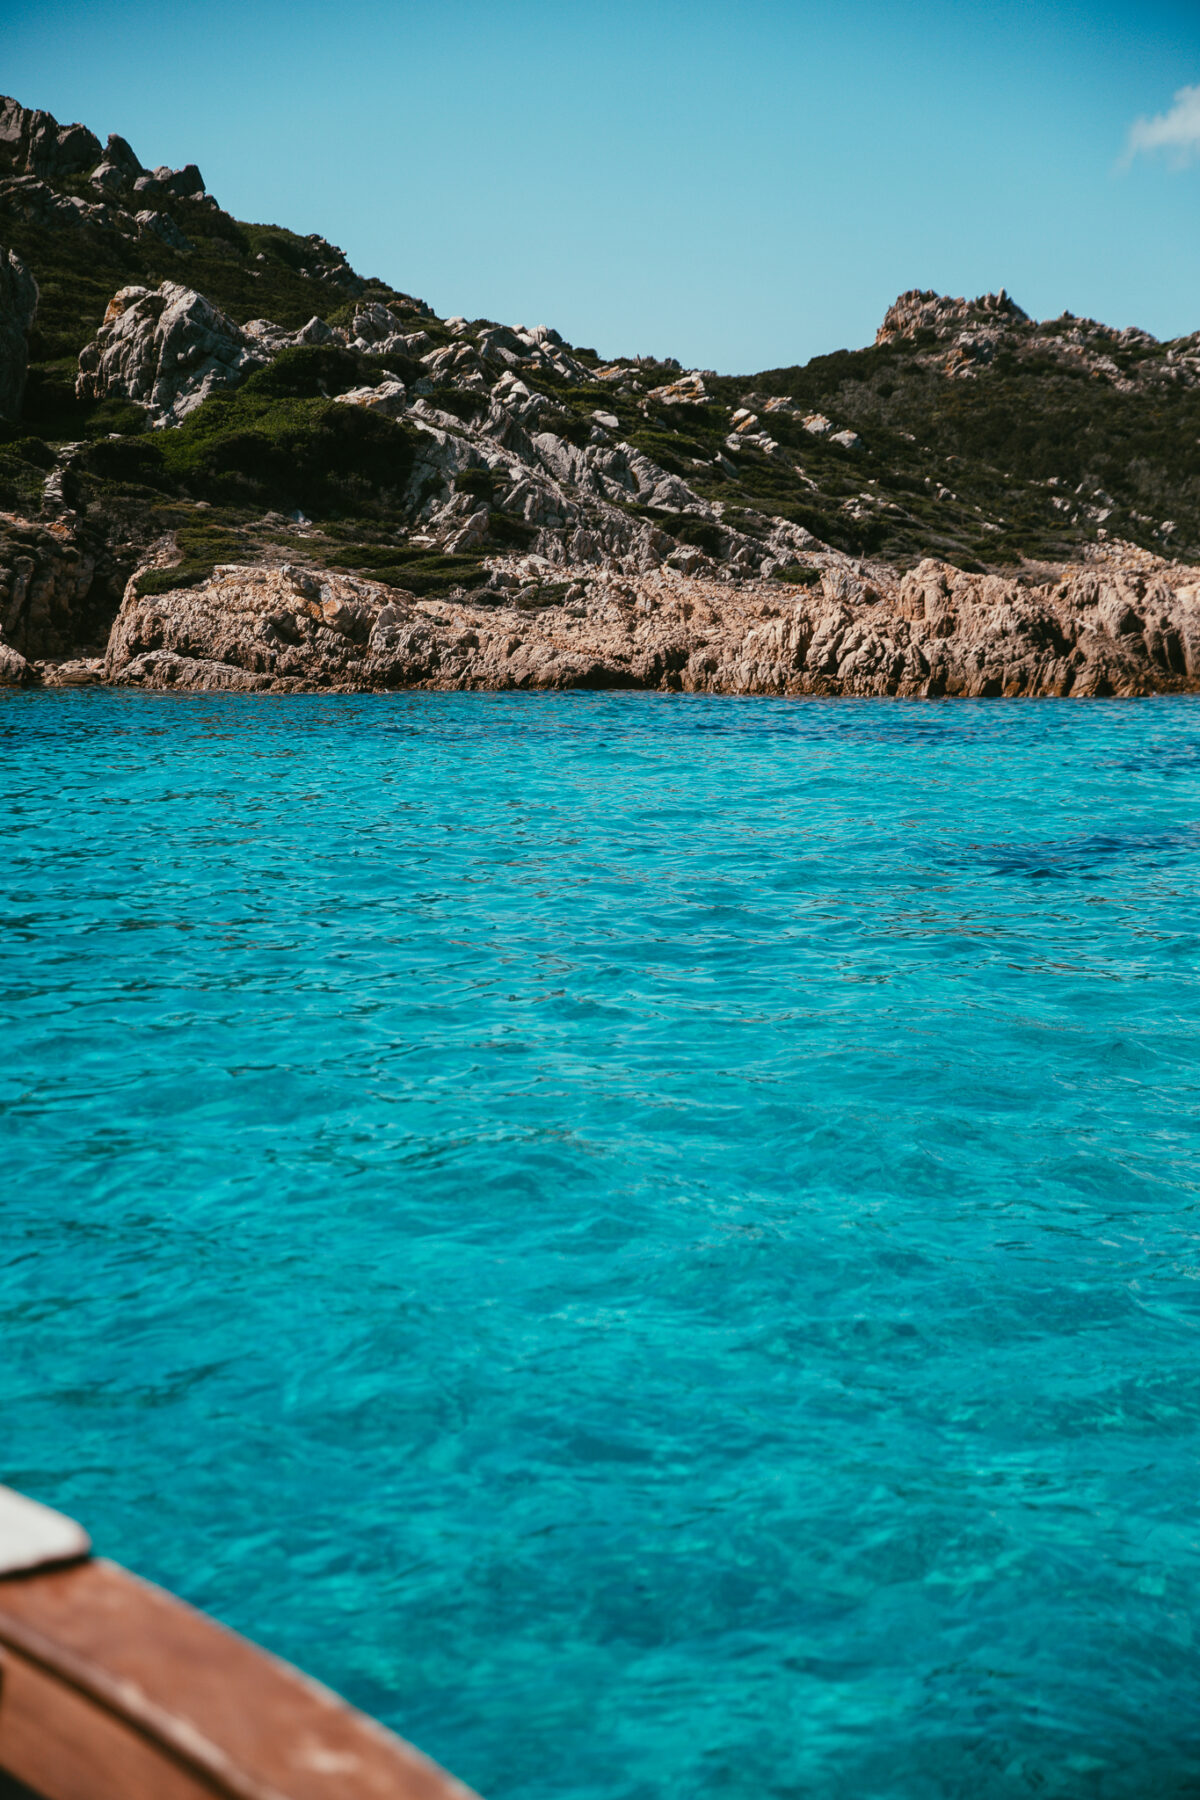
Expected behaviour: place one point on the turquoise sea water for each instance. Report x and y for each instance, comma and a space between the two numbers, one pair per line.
650, 1241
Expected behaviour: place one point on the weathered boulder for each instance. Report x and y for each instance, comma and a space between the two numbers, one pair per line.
283, 628
183, 183
107, 179
118, 154
27, 197
274, 338
15, 671
18, 304
163, 226
166, 348
459, 365
379, 331
389, 398
689, 390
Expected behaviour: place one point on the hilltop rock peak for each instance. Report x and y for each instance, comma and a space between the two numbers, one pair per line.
924, 310
34, 143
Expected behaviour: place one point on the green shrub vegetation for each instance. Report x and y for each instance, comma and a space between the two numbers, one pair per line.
253, 449
986, 470
24, 465
479, 482
418, 571
508, 532
201, 548
694, 529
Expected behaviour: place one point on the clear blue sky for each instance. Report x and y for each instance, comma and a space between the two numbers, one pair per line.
737, 185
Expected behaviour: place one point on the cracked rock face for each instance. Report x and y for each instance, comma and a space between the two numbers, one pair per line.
46, 581
18, 304
168, 349
864, 631
282, 629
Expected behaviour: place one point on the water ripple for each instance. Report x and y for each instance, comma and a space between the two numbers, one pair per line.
652, 1242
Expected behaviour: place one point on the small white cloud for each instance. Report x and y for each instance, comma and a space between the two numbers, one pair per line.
1177, 132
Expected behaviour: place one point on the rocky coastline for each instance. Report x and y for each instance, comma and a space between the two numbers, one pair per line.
1123, 624
228, 462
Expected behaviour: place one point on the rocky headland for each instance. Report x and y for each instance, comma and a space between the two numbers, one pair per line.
227, 461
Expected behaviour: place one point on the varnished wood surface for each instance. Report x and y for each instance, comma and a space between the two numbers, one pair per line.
111, 1689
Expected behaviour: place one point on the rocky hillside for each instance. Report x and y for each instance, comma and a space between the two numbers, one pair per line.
181, 392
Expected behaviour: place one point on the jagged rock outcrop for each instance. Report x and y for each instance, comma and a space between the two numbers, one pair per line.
578, 499
34, 143
966, 335
167, 348
163, 226
42, 163
921, 310
28, 198
18, 305
863, 630
273, 338
48, 598
119, 155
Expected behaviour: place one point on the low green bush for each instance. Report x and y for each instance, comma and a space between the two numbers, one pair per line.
286, 454
419, 571
666, 450
124, 416
311, 372
694, 529
23, 467
538, 599
510, 532
179, 575
201, 548
479, 482
460, 403
138, 461
32, 450
565, 424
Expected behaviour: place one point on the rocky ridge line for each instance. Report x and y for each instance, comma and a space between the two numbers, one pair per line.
965, 336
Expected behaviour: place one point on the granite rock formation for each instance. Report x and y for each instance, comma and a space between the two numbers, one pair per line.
34, 143
861, 630
167, 349
52, 596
